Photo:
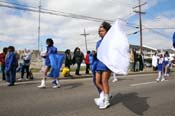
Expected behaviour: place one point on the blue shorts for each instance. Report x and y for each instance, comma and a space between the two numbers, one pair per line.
101, 67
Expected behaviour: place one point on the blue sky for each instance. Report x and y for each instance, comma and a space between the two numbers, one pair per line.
19, 28
161, 8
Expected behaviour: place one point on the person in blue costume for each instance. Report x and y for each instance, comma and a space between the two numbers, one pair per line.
93, 63
160, 69
53, 61
11, 64
102, 72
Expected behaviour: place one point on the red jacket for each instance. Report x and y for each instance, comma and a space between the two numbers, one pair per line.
2, 58
87, 59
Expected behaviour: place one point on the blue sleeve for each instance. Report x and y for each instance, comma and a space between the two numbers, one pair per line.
10, 61
52, 50
98, 44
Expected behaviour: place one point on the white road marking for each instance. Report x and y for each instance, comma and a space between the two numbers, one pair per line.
146, 83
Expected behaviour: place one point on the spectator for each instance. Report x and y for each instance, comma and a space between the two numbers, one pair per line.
11, 64
68, 60
135, 60
155, 62
78, 58
2, 61
141, 61
166, 63
87, 62
26, 60
132, 60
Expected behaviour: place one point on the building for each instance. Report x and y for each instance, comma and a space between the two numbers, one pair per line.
150, 51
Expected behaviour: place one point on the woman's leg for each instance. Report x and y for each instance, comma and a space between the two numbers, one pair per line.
43, 81
45, 72
166, 70
105, 83
98, 81
94, 81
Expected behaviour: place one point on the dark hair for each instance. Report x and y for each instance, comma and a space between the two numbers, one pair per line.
106, 26
88, 52
49, 41
11, 48
76, 49
67, 51
166, 54
5, 50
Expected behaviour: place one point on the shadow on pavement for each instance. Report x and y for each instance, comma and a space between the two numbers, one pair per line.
132, 101
71, 85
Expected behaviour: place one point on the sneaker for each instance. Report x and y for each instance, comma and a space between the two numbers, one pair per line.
157, 80
58, 83
163, 79
27, 79
105, 104
98, 101
20, 79
114, 80
11, 84
55, 84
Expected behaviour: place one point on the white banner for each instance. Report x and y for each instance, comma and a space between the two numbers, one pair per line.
114, 49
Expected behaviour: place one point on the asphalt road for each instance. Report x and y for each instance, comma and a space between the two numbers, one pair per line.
133, 95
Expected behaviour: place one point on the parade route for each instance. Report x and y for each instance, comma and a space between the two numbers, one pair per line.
133, 95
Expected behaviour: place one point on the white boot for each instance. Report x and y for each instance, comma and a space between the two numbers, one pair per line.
163, 79
43, 84
105, 103
99, 100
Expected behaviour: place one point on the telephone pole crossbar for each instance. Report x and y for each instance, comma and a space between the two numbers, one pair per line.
85, 35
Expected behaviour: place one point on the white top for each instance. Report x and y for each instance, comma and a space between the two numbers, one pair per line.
154, 60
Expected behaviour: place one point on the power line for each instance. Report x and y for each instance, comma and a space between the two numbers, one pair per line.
57, 13
52, 12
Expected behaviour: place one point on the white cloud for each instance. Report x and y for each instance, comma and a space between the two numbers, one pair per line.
22, 30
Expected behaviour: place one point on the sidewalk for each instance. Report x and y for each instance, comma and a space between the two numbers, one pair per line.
38, 75
83, 75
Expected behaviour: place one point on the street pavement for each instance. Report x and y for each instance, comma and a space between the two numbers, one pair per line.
133, 95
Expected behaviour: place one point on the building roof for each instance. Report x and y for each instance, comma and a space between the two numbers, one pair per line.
144, 47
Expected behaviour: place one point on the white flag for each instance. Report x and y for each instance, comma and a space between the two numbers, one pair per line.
114, 49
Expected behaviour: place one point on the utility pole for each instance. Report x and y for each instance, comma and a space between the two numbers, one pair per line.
85, 35
39, 18
140, 21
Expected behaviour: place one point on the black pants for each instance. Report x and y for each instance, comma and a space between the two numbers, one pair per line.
67, 65
87, 68
154, 68
141, 66
3, 72
134, 65
78, 69
25, 68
